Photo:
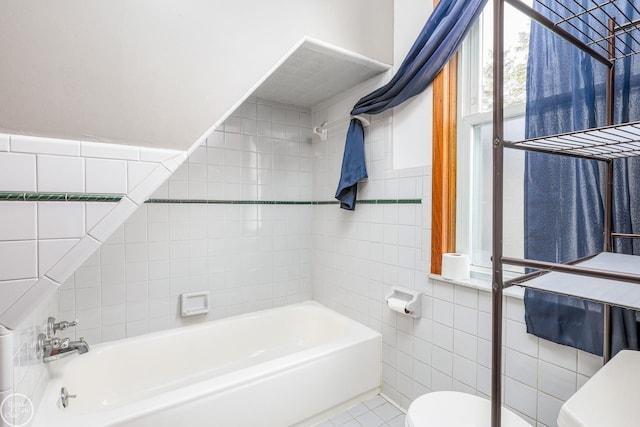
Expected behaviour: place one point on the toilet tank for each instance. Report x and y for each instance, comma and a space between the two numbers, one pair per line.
609, 398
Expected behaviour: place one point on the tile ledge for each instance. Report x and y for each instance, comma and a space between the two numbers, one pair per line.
481, 284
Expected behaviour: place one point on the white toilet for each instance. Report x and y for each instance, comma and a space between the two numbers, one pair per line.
455, 409
609, 398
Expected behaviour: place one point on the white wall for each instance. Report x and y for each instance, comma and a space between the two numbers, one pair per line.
358, 256
44, 239
346, 260
159, 73
412, 123
249, 256
142, 74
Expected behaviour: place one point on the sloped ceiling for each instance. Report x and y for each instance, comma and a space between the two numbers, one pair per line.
160, 73
315, 72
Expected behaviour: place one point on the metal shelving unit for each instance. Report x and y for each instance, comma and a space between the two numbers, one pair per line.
610, 142
612, 279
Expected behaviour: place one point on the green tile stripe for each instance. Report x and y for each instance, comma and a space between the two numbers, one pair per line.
12, 196
59, 197
391, 202
328, 202
228, 202
282, 202
80, 197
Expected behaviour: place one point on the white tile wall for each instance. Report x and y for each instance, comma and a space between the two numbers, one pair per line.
248, 256
29, 375
17, 172
109, 151
12, 289
49, 252
112, 220
60, 174
257, 256
35, 145
38, 238
17, 221
19, 259
357, 256
137, 172
95, 212
59, 220
106, 176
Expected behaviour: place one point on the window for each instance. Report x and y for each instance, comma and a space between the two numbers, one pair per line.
475, 98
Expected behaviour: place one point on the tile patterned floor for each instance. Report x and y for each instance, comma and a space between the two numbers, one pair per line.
375, 412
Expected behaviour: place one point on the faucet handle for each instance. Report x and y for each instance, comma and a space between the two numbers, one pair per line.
60, 326
53, 326
57, 343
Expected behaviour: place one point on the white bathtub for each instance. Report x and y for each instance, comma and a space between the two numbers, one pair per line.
276, 367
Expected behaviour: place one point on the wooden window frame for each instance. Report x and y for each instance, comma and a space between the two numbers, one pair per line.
443, 206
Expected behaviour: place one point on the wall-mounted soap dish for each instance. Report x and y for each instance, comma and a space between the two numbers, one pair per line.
194, 303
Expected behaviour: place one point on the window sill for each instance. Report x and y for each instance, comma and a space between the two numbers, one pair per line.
481, 284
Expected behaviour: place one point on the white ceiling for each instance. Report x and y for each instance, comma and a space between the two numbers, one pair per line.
160, 73
315, 72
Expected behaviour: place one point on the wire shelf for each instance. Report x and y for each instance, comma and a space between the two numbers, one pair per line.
589, 20
610, 142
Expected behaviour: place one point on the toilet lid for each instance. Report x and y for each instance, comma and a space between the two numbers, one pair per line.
455, 409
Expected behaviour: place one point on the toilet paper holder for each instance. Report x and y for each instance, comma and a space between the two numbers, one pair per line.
405, 301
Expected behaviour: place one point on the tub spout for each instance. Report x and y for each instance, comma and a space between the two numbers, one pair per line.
81, 346
58, 348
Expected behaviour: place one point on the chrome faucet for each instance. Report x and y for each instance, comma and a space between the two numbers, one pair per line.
51, 349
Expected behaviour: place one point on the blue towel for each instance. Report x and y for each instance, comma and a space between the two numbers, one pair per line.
353, 166
439, 39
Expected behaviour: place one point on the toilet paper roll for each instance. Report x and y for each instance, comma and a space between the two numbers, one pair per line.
398, 305
455, 266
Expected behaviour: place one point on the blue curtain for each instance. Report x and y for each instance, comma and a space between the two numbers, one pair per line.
439, 39
564, 206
